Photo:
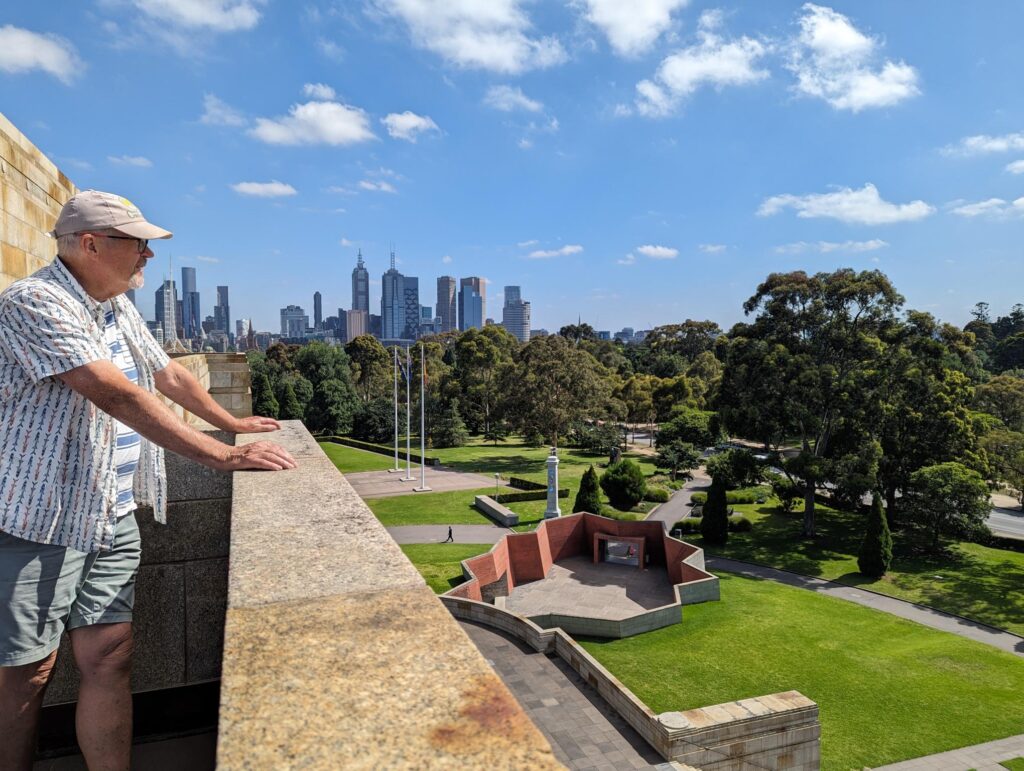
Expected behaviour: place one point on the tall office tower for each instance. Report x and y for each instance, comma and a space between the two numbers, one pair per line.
515, 315
156, 330
356, 324
241, 328
447, 305
222, 310
361, 285
472, 303
375, 326
166, 306
190, 318
130, 294
294, 322
392, 303
318, 311
411, 295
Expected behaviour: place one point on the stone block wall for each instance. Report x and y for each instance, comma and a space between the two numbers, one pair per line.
227, 378
32, 192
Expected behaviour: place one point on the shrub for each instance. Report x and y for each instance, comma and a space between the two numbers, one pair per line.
788, 493
732, 497
714, 525
699, 499
589, 496
875, 554
687, 526
739, 524
624, 484
656, 495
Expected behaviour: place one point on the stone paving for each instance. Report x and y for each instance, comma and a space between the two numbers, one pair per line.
577, 587
936, 619
385, 484
981, 757
584, 731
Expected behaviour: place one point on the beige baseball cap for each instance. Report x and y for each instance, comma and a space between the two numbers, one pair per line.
96, 210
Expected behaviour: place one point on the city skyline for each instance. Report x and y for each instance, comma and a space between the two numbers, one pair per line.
631, 170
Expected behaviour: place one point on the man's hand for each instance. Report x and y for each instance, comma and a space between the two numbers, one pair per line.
258, 455
255, 425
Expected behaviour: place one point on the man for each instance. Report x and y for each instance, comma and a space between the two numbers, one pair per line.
81, 444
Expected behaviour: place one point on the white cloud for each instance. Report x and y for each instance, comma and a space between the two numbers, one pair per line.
658, 252
345, 242
629, 259
711, 62
524, 144
24, 51
340, 190
491, 35
446, 259
834, 61
216, 112
509, 99
983, 144
993, 208
827, 247
216, 15
408, 125
542, 254
525, 244
632, 28
712, 248
857, 207
204, 258
272, 189
1016, 167
315, 123
319, 91
377, 187
130, 160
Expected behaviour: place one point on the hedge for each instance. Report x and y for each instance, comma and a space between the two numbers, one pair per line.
656, 495
687, 526
370, 447
731, 496
525, 484
691, 525
530, 495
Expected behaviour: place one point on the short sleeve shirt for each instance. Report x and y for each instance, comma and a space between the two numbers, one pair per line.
58, 469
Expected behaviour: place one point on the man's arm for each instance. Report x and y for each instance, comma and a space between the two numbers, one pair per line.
103, 383
180, 386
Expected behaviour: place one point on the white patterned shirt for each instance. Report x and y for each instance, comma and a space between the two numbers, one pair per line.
58, 473
126, 456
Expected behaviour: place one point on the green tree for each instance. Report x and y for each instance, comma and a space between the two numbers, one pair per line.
374, 421
677, 456
481, 357
697, 427
332, 407
317, 362
947, 499
372, 365
1002, 396
448, 430
786, 491
624, 484
589, 496
576, 333
290, 408
735, 468
1009, 352
263, 400
670, 394
1005, 450
714, 524
875, 553
689, 339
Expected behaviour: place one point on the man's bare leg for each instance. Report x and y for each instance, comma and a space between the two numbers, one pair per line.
21, 697
103, 718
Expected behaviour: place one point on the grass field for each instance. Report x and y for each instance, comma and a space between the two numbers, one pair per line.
349, 460
970, 580
888, 689
1015, 764
439, 563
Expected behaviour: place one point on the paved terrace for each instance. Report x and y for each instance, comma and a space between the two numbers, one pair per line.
386, 484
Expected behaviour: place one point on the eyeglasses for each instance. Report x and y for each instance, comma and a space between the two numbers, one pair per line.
143, 243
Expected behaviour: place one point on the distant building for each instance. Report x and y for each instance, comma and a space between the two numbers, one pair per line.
538, 333
222, 311
399, 305
318, 311
360, 285
472, 303
166, 309
411, 295
604, 335
375, 326
356, 324
447, 303
130, 294
190, 324
157, 331
515, 314
294, 322
625, 335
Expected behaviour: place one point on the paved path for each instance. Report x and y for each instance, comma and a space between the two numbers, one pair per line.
936, 619
678, 506
982, 757
385, 484
583, 730
1006, 518
438, 533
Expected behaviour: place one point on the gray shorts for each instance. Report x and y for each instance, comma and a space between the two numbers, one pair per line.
46, 589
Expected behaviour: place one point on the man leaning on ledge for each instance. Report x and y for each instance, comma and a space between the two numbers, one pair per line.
82, 439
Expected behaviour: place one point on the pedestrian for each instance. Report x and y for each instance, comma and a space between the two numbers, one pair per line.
82, 439
450, 538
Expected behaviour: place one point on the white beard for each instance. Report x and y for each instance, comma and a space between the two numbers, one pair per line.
137, 281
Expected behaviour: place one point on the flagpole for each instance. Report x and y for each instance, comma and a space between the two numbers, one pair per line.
423, 434
395, 368
408, 430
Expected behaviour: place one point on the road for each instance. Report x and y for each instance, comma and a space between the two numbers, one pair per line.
1006, 517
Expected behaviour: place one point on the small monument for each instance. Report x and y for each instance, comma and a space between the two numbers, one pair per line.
552, 510
614, 456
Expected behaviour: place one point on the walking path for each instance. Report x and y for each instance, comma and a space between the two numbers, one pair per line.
584, 731
922, 614
678, 506
982, 757
439, 533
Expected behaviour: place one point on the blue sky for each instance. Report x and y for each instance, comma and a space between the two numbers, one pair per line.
631, 163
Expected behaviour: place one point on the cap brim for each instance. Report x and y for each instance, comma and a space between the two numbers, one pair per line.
143, 230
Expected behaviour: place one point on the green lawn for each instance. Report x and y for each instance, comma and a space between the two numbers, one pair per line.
453, 508
888, 689
349, 460
970, 580
1016, 764
439, 563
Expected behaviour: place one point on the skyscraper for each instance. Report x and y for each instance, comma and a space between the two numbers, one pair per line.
166, 307
411, 295
515, 315
294, 322
361, 285
189, 304
318, 311
472, 303
222, 311
130, 294
392, 303
447, 307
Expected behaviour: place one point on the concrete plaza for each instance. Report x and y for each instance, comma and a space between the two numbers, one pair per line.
384, 484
